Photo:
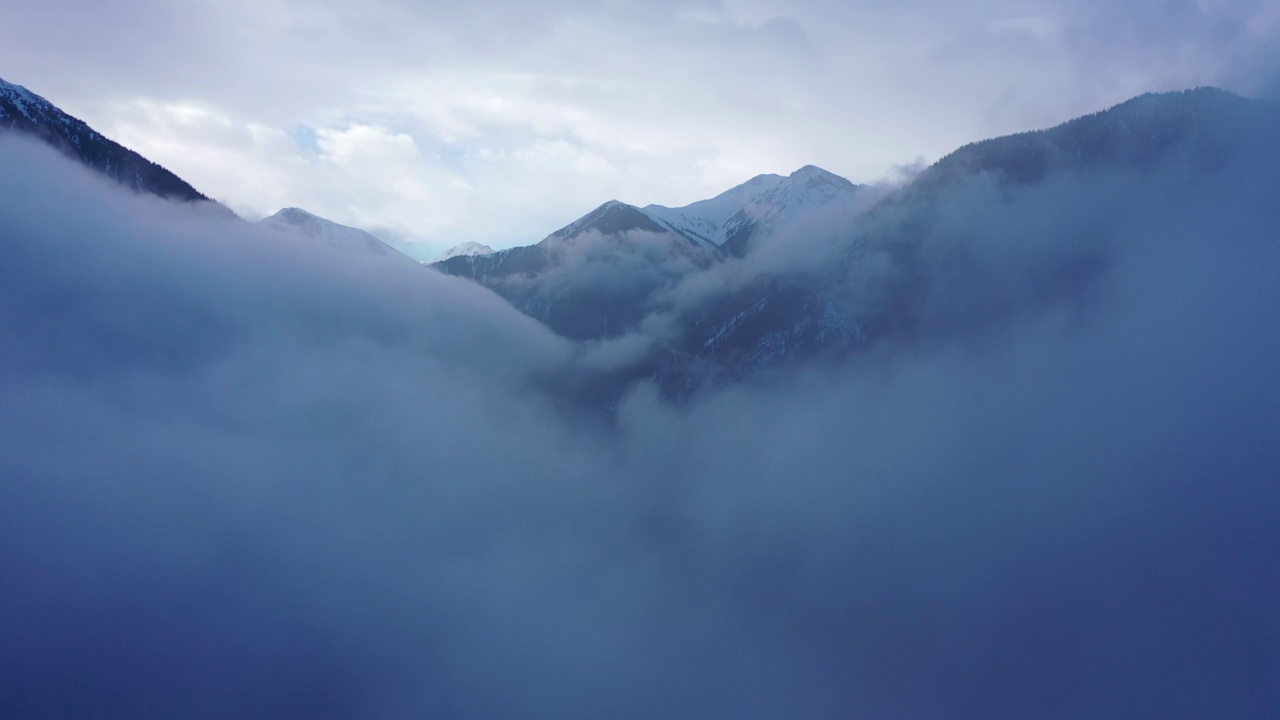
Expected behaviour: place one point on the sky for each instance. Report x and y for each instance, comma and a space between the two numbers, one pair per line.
434, 123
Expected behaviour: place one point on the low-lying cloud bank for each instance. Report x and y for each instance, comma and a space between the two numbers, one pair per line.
243, 481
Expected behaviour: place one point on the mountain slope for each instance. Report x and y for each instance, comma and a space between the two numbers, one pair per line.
734, 220
300, 223
25, 112
610, 218
705, 220
1136, 134
925, 262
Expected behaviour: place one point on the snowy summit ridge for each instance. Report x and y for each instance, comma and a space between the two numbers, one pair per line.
466, 249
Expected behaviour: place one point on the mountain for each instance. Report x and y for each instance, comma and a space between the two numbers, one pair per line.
592, 278
997, 230
600, 275
765, 204
1137, 134
610, 218
300, 223
705, 220
25, 112
924, 262
466, 249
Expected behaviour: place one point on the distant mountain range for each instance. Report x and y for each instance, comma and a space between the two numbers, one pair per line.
616, 270
696, 285
597, 276
729, 222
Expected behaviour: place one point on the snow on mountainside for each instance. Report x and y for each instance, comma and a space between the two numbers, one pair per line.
24, 112
466, 249
704, 220
21, 99
763, 204
300, 223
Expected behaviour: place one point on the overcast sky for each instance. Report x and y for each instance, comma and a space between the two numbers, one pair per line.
498, 121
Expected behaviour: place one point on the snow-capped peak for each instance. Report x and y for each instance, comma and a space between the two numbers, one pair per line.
466, 249
810, 186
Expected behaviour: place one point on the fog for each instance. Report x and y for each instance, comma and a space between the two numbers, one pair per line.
244, 480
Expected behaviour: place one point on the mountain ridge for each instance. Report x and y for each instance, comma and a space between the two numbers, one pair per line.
25, 112
780, 317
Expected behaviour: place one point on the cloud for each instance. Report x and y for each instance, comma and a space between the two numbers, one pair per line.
242, 477
665, 102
